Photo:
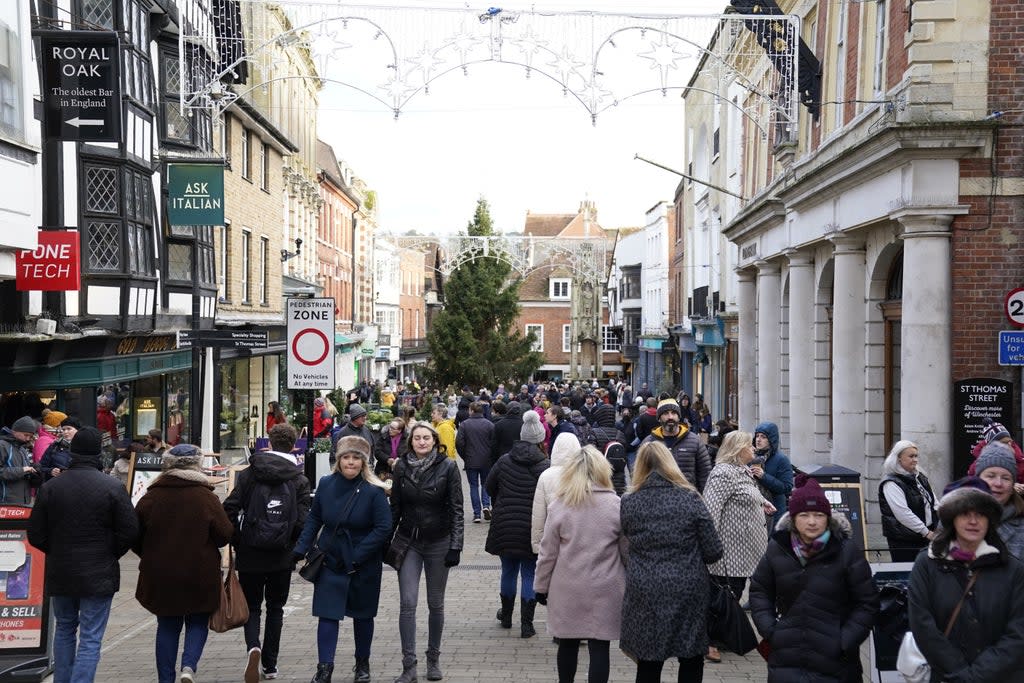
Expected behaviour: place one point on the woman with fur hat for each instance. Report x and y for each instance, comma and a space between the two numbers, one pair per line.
996, 465
350, 513
182, 526
511, 484
968, 564
906, 502
812, 596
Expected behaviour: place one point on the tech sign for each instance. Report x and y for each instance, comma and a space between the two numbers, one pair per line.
53, 266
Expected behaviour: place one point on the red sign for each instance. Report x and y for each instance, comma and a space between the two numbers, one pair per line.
53, 266
1013, 306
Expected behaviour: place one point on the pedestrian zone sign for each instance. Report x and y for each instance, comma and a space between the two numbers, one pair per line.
310, 343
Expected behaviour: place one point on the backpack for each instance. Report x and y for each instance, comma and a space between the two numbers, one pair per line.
269, 518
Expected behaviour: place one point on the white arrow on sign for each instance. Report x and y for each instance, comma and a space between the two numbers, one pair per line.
76, 122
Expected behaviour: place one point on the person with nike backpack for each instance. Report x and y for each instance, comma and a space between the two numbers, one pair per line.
268, 507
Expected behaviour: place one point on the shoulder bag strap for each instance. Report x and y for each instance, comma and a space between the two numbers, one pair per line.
956, 610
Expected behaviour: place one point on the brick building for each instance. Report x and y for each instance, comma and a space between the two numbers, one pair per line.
546, 298
878, 240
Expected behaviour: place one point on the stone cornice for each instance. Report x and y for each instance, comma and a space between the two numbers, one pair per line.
827, 175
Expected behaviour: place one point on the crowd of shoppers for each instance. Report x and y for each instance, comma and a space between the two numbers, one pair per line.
621, 526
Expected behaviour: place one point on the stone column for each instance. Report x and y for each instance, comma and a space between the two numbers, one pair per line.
801, 355
848, 353
769, 341
746, 301
926, 351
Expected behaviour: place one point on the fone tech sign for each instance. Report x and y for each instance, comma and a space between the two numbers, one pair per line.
311, 343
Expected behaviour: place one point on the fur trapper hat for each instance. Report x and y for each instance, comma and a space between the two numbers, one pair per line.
184, 456
353, 444
967, 494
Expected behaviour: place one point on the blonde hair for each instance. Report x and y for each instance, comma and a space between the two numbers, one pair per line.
366, 471
654, 456
585, 469
732, 446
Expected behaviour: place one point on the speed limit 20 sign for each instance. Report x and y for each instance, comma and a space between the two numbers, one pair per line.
311, 343
1014, 306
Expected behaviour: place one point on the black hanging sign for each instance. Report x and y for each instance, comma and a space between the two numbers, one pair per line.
81, 85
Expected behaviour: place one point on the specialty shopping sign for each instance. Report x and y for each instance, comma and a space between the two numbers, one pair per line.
310, 343
53, 266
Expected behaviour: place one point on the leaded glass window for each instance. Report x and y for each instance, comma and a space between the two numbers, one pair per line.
104, 245
179, 261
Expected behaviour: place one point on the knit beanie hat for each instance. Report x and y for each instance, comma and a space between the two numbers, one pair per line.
533, 430
71, 422
25, 424
353, 444
53, 418
993, 430
667, 405
996, 454
967, 494
87, 442
184, 456
355, 411
808, 496
318, 401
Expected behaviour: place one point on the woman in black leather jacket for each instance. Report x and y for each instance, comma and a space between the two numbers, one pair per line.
426, 506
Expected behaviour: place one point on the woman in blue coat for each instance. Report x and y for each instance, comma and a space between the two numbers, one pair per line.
351, 509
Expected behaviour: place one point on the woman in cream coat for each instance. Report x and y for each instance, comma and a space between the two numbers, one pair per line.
564, 447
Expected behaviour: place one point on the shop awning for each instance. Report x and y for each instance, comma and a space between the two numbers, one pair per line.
343, 340
708, 332
686, 344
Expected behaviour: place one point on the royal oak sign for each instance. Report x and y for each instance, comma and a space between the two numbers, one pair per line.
81, 85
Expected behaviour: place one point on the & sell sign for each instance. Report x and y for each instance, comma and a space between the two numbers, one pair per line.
53, 266
195, 194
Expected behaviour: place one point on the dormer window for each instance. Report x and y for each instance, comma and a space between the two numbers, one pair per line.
560, 289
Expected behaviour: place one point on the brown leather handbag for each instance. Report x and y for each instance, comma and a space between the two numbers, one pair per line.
233, 610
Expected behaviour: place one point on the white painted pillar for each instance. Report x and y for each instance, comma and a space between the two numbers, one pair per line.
747, 369
769, 341
926, 351
801, 355
848, 353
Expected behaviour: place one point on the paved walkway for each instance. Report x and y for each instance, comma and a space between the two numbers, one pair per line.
474, 647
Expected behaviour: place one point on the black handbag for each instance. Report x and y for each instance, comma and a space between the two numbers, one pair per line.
728, 625
396, 550
316, 558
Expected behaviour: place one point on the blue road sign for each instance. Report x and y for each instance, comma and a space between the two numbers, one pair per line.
1011, 348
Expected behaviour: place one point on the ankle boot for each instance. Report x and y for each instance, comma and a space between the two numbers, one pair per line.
527, 607
362, 670
323, 673
505, 613
408, 674
434, 672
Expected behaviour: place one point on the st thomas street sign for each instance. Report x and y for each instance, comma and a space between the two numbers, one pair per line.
81, 89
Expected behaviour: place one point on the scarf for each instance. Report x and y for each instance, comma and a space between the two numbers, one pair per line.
416, 467
395, 440
960, 555
807, 551
188, 475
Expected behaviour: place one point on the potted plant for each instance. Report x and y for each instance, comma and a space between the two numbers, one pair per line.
376, 419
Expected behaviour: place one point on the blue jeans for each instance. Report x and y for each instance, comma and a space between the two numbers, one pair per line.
78, 635
477, 492
511, 567
168, 631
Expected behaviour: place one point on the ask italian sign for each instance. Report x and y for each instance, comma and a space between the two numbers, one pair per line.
81, 85
195, 194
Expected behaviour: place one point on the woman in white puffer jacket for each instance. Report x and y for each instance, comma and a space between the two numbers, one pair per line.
565, 445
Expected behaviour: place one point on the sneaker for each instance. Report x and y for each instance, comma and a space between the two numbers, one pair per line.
269, 673
252, 666
487, 513
476, 519
187, 675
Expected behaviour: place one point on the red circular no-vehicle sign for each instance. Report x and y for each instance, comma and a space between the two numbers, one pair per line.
312, 342
1013, 306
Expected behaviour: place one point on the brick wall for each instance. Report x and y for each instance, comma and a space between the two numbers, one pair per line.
988, 243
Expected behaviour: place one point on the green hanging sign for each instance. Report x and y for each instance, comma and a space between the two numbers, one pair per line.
195, 194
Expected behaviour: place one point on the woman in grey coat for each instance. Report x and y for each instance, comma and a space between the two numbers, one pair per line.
671, 540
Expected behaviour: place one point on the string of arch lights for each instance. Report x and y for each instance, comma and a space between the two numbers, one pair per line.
394, 54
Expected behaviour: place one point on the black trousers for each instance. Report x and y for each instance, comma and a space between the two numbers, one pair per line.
272, 586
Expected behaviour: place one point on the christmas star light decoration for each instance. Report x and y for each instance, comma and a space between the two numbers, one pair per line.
664, 57
425, 62
325, 47
566, 66
529, 45
463, 43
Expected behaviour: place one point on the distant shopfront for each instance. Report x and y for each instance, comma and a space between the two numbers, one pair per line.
143, 381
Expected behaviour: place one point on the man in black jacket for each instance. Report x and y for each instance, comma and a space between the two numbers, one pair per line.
267, 571
475, 444
82, 551
506, 430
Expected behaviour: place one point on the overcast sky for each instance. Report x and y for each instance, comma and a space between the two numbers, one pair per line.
517, 142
